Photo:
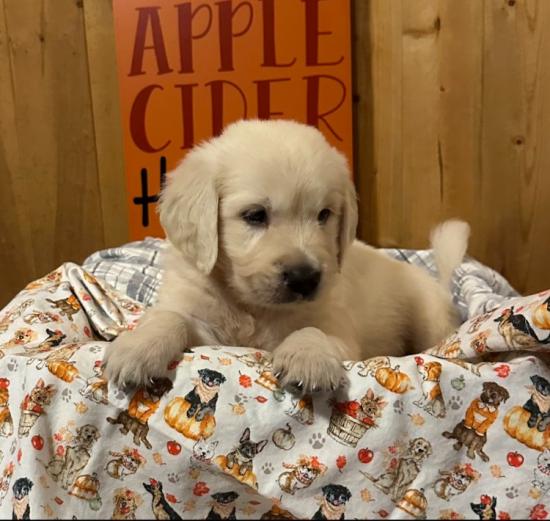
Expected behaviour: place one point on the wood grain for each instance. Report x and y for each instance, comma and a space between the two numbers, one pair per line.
459, 111
100, 40
47, 135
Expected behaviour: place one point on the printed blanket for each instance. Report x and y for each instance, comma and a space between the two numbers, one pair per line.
461, 431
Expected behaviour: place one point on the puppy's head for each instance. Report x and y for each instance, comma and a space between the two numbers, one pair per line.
87, 435
269, 204
493, 394
336, 495
420, 448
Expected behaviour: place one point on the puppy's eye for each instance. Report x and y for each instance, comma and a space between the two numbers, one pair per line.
255, 216
323, 216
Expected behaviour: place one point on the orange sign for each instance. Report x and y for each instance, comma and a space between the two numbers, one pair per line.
188, 68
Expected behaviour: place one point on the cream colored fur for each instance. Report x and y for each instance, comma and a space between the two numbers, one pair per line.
222, 281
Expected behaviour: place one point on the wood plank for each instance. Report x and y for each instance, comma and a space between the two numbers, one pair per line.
48, 136
98, 16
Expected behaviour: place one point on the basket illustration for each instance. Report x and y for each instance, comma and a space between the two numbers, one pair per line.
346, 429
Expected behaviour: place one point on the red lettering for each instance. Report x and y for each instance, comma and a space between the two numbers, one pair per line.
226, 34
268, 18
313, 33
185, 26
149, 15
314, 116
216, 91
137, 120
186, 92
264, 98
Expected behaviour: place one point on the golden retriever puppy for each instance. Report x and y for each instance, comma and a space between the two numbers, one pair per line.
261, 223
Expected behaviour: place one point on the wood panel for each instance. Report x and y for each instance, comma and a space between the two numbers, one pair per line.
457, 96
57, 205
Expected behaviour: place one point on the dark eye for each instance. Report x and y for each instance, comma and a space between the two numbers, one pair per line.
255, 216
323, 216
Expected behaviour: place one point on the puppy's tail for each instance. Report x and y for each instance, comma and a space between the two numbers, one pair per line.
449, 242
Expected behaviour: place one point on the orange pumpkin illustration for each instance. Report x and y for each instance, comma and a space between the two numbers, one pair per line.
63, 370
175, 415
515, 424
393, 379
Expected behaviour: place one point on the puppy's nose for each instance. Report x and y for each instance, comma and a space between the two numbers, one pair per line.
302, 280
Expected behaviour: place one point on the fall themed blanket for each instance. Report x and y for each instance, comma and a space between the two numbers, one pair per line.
459, 432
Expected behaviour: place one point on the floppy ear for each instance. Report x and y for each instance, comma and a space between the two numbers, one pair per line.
348, 219
188, 208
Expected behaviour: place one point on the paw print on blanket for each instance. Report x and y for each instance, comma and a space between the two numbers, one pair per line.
456, 402
317, 441
398, 407
267, 468
66, 395
95, 349
12, 365
241, 398
512, 492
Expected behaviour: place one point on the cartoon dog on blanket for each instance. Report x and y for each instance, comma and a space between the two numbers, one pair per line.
193, 415
239, 462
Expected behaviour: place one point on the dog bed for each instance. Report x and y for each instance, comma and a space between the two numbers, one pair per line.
460, 431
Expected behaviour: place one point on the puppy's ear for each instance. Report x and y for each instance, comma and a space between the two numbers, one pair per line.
245, 436
188, 208
348, 219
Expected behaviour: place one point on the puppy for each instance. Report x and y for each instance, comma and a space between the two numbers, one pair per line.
126, 503
334, 502
142, 406
203, 452
397, 480
301, 474
21, 490
480, 415
223, 506
161, 507
539, 404
432, 398
125, 463
65, 469
261, 224
245, 453
486, 508
542, 471
456, 481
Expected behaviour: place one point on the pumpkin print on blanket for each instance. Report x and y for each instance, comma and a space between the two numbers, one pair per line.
530, 423
194, 415
393, 379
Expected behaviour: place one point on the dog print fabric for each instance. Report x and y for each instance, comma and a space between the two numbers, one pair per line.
460, 431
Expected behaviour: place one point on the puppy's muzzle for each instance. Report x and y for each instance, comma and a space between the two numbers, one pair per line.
302, 280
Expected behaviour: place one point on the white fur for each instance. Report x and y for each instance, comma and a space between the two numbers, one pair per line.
222, 280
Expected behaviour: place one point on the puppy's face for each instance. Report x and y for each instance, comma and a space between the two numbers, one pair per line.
284, 211
336, 495
87, 435
420, 448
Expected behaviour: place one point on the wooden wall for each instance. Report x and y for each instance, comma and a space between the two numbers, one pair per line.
452, 118
62, 192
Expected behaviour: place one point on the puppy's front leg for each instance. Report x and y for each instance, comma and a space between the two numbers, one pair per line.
144, 353
310, 359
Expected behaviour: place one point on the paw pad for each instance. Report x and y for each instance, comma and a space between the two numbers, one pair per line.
267, 468
512, 492
398, 406
66, 395
317, 441
456, 402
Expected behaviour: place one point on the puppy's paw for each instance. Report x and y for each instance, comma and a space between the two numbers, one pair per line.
136, 357
306, 360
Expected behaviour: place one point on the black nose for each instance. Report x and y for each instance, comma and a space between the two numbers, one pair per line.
302, 280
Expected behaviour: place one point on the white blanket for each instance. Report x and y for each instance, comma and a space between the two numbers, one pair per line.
444, 434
